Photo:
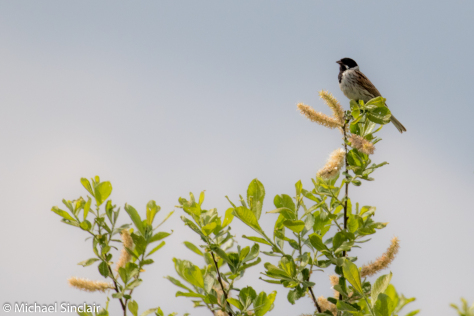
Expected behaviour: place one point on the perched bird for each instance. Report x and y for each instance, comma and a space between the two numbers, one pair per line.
355, 85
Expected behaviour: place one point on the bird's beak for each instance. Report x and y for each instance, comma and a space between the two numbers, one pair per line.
338, 62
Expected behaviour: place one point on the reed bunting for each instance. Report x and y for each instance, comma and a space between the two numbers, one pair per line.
355, 85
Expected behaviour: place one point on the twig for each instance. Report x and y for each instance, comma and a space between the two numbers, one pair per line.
314, 299
346, 196
220, 281
124, 307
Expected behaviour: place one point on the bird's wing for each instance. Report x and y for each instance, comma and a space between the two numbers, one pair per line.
367, 85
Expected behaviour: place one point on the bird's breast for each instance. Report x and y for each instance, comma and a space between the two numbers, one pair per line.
351, 88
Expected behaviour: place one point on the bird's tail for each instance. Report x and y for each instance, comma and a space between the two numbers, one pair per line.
397, 124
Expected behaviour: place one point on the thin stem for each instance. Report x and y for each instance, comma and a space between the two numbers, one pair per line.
124, 306
271, 242
220, 281
314, 299
309, 287
335, 221
136, 277
346, 195
209, 307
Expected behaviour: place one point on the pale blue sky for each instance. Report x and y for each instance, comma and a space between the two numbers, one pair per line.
167, 97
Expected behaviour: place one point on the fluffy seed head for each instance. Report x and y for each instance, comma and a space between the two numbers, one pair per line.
124, 255
326, 305
383, 261
318, 117
362, 144
333, 166
334, 279
89, 285
334, 105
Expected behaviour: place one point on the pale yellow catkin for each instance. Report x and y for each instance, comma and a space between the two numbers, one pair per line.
318, 117
334, 105
383, 261
361, 144
334, 279
333, 166
326, 305
89, 285
125, 257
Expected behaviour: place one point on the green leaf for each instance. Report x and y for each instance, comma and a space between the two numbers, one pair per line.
263, 304
193, 248
87, 185
229, 216
159, 312
86, 225
149, 311
284, 211
248, 217
236, 303
379, 114
248, 265
63, 214
151, 210
296, 226
165, 219
383, 306
380, 286
133, 307
252, 254
102, 191
156, 249
201, 198
247, 295
255, 196
288, 265
275, 272
257, 239
140, 243
392, 293
135, 217
209, 228
88, 262
354, 159
413, 313
104, 269
134, 284
284, 200
177, 283
317, 242
158, 236
352, 224
352, 275
190, 272
291, 297
190, 294
87, 207
345, 307
209, 282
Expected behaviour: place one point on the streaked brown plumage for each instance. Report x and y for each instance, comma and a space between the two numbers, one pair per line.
355, 85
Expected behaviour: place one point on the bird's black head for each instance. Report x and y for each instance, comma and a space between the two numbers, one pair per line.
346, 63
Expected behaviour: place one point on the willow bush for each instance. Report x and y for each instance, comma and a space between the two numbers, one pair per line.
315, 230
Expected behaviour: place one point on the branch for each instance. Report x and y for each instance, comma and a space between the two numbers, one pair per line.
220, 282
314, 299
124, 307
